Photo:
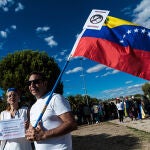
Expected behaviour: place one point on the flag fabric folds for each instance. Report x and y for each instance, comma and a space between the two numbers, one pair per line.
119, 44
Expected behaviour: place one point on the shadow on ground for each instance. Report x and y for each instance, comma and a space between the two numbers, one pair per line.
105, 142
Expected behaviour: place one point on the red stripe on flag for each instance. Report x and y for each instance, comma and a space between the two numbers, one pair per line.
127, 59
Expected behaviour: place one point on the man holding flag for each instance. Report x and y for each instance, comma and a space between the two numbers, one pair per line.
53, 131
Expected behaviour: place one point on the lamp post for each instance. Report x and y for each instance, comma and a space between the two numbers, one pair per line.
84, 85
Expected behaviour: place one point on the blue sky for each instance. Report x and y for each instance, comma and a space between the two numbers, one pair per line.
53, 25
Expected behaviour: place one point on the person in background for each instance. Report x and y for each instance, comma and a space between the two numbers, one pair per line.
87, 114
14, 110
120, 108
127, 106
100, 111
53, 131
95, 111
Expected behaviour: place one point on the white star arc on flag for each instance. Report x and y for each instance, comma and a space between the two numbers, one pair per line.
136, 30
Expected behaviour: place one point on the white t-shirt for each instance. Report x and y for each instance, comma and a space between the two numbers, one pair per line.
19, 143
120, 106
57, 106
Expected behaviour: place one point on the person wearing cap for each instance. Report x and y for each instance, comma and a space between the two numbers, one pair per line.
14, 111
53, 132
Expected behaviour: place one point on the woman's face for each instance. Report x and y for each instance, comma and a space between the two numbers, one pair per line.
12, 97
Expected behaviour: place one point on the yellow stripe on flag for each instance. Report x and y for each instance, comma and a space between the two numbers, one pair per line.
112, 22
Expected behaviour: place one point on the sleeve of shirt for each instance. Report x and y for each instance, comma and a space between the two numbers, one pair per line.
60, 104
2, 115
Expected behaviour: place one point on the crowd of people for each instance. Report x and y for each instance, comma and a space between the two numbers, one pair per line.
134, 108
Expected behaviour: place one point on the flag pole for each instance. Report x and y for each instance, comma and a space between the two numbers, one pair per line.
57, 81
84, 84
76, 43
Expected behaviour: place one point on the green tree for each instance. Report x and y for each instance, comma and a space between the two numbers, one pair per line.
15, 69
72, 102
146, 89
78, 99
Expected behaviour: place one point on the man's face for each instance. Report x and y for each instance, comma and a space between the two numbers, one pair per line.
37, 86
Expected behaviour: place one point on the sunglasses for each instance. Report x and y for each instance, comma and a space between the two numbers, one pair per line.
36, 81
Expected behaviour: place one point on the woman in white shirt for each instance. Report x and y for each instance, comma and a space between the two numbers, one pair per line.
13, 111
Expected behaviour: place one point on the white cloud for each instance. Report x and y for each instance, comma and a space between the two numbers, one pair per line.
42, 29
67, 80
122, 91
106, 74
59, 59
96, 76
95, 68
6, 2
5, 9
127, 10
77, 69
77, 35
5, 5
55, 56
3, 34
128, 82
68, 93
108, 68
110, 72
115, 71
50, 41
62, 53
141, 13
19, 7
13, 27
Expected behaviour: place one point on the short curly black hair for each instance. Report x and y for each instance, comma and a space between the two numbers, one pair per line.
41, 74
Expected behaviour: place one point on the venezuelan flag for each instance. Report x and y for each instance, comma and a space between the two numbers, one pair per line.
119, 44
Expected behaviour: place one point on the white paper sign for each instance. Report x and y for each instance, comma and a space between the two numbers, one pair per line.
12, 128
96, 19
